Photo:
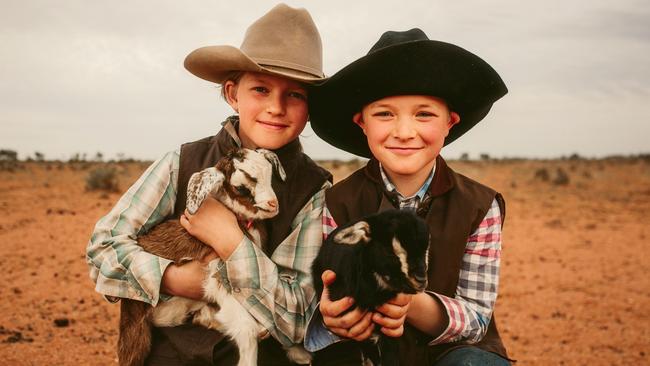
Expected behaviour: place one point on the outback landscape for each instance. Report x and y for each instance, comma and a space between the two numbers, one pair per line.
575, 288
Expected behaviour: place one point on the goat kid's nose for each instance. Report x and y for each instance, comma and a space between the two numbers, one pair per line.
269, 206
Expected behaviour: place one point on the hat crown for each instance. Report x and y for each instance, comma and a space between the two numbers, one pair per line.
286, 38
393, 38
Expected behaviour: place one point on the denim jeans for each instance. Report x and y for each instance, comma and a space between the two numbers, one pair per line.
472, 356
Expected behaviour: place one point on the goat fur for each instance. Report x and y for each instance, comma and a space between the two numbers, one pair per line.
242, 182
375, 259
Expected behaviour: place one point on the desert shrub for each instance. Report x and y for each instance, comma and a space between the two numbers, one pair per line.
464, 156
102, 178
561, 177
542, 174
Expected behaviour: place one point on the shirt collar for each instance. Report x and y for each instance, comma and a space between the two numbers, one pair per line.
420, 194
229, 126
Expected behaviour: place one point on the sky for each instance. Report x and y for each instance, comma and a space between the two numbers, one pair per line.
92, 76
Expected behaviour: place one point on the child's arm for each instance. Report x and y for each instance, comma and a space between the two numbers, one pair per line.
277, 291
118, 265
467, 315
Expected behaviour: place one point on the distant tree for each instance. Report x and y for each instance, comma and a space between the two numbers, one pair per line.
8, 155
485, 156
464, 156
39, 156
99, 157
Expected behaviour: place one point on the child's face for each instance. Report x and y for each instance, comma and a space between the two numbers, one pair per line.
406, 133
272, 109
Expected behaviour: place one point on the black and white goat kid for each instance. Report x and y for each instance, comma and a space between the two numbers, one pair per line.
375, 259
242, 182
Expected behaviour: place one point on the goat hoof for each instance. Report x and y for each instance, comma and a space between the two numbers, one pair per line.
299, 355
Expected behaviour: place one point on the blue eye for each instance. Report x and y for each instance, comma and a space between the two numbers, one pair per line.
426, 114
298, 95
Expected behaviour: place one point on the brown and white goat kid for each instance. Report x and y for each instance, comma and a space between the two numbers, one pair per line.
242, 182
375, 259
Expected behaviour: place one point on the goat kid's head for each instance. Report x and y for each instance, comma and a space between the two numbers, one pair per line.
241, 180
394, 247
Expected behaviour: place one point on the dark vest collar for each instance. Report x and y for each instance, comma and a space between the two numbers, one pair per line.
441, 183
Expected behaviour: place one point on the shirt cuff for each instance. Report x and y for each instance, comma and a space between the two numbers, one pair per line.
317, 335
241, 269
146, 276
453, 326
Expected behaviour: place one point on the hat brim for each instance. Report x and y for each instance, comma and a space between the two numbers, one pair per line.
467, 83
214, 63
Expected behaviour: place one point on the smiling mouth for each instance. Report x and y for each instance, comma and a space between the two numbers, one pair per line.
273, 125
403, 150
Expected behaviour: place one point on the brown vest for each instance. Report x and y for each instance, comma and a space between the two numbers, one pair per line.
455, 207
196, 345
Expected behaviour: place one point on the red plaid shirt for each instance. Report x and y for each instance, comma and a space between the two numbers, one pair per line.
470, 310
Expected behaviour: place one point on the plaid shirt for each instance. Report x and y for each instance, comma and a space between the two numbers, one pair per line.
278, 290
470, 310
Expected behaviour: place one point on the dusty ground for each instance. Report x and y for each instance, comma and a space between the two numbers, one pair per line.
575, 285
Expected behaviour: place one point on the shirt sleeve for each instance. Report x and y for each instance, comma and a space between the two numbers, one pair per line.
278, 291
317, 336
470, 310
118, 265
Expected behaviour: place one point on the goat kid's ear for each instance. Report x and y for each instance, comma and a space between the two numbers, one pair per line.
200, 185
353, 235
273, 159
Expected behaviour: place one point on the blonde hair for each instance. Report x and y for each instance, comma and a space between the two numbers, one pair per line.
233, 76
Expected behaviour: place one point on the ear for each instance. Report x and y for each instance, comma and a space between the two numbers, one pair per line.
454, 118
230, 91
200, 185
275, 161
358, 120
354, 234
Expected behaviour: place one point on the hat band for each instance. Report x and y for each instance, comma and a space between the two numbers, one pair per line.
264, 62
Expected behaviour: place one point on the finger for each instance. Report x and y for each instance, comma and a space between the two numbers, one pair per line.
185, 223
328, 277
387, 322
401, 299
366, 334
334, 308
345, 321
392, 311
393, 332
361, 326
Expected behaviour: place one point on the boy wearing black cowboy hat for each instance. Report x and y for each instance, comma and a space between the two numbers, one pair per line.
399, 105
265, 82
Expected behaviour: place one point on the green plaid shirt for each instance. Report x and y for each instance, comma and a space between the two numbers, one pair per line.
277, 290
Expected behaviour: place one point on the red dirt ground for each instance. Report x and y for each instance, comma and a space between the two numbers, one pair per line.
575, 288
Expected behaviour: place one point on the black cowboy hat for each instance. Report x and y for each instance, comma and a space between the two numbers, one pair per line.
403, 63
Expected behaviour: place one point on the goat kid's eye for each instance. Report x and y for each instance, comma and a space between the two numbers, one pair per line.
243, 191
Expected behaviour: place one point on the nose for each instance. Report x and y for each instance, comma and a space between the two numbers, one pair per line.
276, 104
404, 129
269, 206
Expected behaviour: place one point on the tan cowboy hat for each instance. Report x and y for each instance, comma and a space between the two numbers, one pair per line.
285, 42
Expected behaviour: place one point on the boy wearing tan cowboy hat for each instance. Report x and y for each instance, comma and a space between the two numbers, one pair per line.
398, 106
264, 81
